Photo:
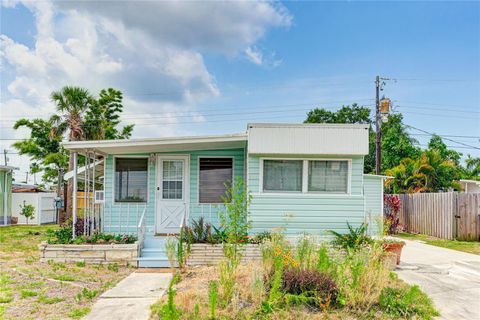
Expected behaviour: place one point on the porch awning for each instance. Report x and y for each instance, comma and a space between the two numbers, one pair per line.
152, 145
81, 172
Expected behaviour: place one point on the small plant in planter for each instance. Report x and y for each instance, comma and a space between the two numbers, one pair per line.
393, 246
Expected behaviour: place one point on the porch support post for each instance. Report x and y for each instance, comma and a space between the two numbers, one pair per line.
74, 204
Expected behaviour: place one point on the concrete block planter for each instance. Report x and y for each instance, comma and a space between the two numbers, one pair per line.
211, 254
124, 254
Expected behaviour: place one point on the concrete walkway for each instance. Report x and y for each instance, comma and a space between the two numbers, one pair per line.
451, 278
131, 298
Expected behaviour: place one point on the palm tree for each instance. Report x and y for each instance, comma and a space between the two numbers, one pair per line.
71, 104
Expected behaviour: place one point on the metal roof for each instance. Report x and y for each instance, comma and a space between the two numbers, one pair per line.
168, 144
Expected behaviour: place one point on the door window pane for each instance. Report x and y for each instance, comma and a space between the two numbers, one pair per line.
282, 175
328, 176
215, 176
131, 179
172, 179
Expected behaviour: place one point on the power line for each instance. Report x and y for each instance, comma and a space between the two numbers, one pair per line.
434, 115
436, 80
196, 114
436, 109
448, 139
217, 108
445, 135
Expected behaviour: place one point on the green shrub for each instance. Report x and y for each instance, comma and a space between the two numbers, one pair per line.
62, 235
408, 302
86, 294
28, 211
354, 239
313, 287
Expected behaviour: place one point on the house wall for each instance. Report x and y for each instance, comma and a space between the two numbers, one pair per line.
373, 186
5, 197
311, 213
124, 217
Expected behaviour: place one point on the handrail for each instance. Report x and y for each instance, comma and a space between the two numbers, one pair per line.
142, 218
184, 216
141, 228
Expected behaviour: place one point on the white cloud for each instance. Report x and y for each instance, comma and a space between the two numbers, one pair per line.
151, 50
254, 55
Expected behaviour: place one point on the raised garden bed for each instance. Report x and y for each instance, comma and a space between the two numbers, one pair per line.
211, 254
124, 254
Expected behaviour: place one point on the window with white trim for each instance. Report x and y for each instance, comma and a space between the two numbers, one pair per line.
328, 176
131, 176
282, 175
315, 176
215, 176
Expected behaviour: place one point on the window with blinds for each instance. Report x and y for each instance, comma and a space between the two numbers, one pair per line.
322, 176
131, 176
328, 176
282, 175
214, 177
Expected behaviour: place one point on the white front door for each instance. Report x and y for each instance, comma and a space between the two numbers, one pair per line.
172, 193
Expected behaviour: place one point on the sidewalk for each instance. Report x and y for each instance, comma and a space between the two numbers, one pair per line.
131, 298
451, 278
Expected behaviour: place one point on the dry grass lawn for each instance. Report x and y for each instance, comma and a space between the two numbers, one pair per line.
33, 290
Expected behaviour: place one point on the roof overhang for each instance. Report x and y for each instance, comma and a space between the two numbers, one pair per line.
153, 145
7, 168
470, 181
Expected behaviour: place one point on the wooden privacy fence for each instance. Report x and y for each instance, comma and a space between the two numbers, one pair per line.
444, 215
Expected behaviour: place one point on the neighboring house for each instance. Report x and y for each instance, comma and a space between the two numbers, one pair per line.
470, 186
6, 194
302, 177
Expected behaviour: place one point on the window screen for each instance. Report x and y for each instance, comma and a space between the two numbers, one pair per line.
328, 176
215, 173
282, 175
131, 179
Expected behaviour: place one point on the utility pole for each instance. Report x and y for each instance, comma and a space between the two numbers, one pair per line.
379, 83
26, 179
5, 151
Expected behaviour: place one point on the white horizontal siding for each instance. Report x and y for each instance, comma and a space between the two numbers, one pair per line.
308, 140
310, 213
373, 189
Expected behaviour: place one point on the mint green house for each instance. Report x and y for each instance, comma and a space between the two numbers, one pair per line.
302, 178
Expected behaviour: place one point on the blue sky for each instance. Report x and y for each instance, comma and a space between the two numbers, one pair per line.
209, 70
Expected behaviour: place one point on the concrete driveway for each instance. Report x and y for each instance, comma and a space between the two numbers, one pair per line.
451, 278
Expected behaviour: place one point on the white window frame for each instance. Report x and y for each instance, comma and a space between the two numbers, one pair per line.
113, 178
198, 175
305, 190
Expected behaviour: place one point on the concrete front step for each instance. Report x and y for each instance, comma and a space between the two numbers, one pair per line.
153, 262
153, 253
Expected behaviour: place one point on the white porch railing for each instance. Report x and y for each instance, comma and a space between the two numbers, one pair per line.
124, 218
